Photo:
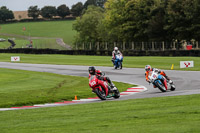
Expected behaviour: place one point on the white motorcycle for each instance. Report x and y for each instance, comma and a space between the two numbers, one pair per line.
161, 82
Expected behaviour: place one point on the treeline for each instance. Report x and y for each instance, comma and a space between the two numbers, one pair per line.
140, 20
5, 14
49, 12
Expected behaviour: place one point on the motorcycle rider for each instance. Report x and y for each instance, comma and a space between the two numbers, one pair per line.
114, 53
148, 69
98, 73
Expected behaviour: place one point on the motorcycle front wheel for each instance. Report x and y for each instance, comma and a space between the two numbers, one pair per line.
116, 93
173, 88
101, 94
161, 87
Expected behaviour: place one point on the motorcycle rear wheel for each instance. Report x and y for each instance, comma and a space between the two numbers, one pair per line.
101, 94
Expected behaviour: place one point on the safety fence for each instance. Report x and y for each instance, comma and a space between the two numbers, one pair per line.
143, 46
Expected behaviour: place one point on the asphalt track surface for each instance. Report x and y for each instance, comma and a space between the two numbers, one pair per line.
187, 82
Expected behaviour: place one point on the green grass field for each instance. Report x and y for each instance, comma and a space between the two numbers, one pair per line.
132, 62
60, 29
20, 43
178, 114
19, 87
37, 43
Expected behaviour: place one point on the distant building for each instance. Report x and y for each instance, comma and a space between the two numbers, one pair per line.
21, 15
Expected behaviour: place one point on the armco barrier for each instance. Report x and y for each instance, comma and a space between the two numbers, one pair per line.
103, 52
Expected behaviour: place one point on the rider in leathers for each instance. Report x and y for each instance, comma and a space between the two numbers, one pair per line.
98, 73
114, 53
148, 69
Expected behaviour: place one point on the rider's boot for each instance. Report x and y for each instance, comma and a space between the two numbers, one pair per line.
113, 61
169, 80
112, 86
110, 89
111, 83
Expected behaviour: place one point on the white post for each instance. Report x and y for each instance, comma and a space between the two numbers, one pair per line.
174, 46
142, 45
106, 47
133, 46
124, 47
152, 45
114, 44
90, 46
83, 46
163, 46
197, 45
97, 45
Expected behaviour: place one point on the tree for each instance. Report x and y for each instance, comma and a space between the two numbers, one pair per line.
90, 2
34, 12
180, 18
158, 19
5, 14
129, 20
77, 9
48, 12
63, 11
87, 25
114, 19
142, 16
195, 28
99, 3
142, 20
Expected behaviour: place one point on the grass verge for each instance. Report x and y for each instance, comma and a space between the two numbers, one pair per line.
132, 62
60, 29
179, 114
18, 87
37, 43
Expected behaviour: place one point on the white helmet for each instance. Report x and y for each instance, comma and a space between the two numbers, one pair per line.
116, 48
147, 68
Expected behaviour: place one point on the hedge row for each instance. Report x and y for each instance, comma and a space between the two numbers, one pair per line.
37, 20
103, 52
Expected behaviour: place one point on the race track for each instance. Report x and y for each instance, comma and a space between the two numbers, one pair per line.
187, 82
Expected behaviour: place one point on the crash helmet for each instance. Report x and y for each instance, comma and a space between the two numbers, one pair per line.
116, 49
147, 68
92, 70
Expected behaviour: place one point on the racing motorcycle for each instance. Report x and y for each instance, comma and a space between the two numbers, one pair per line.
161, 82
118, 61
102, 89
